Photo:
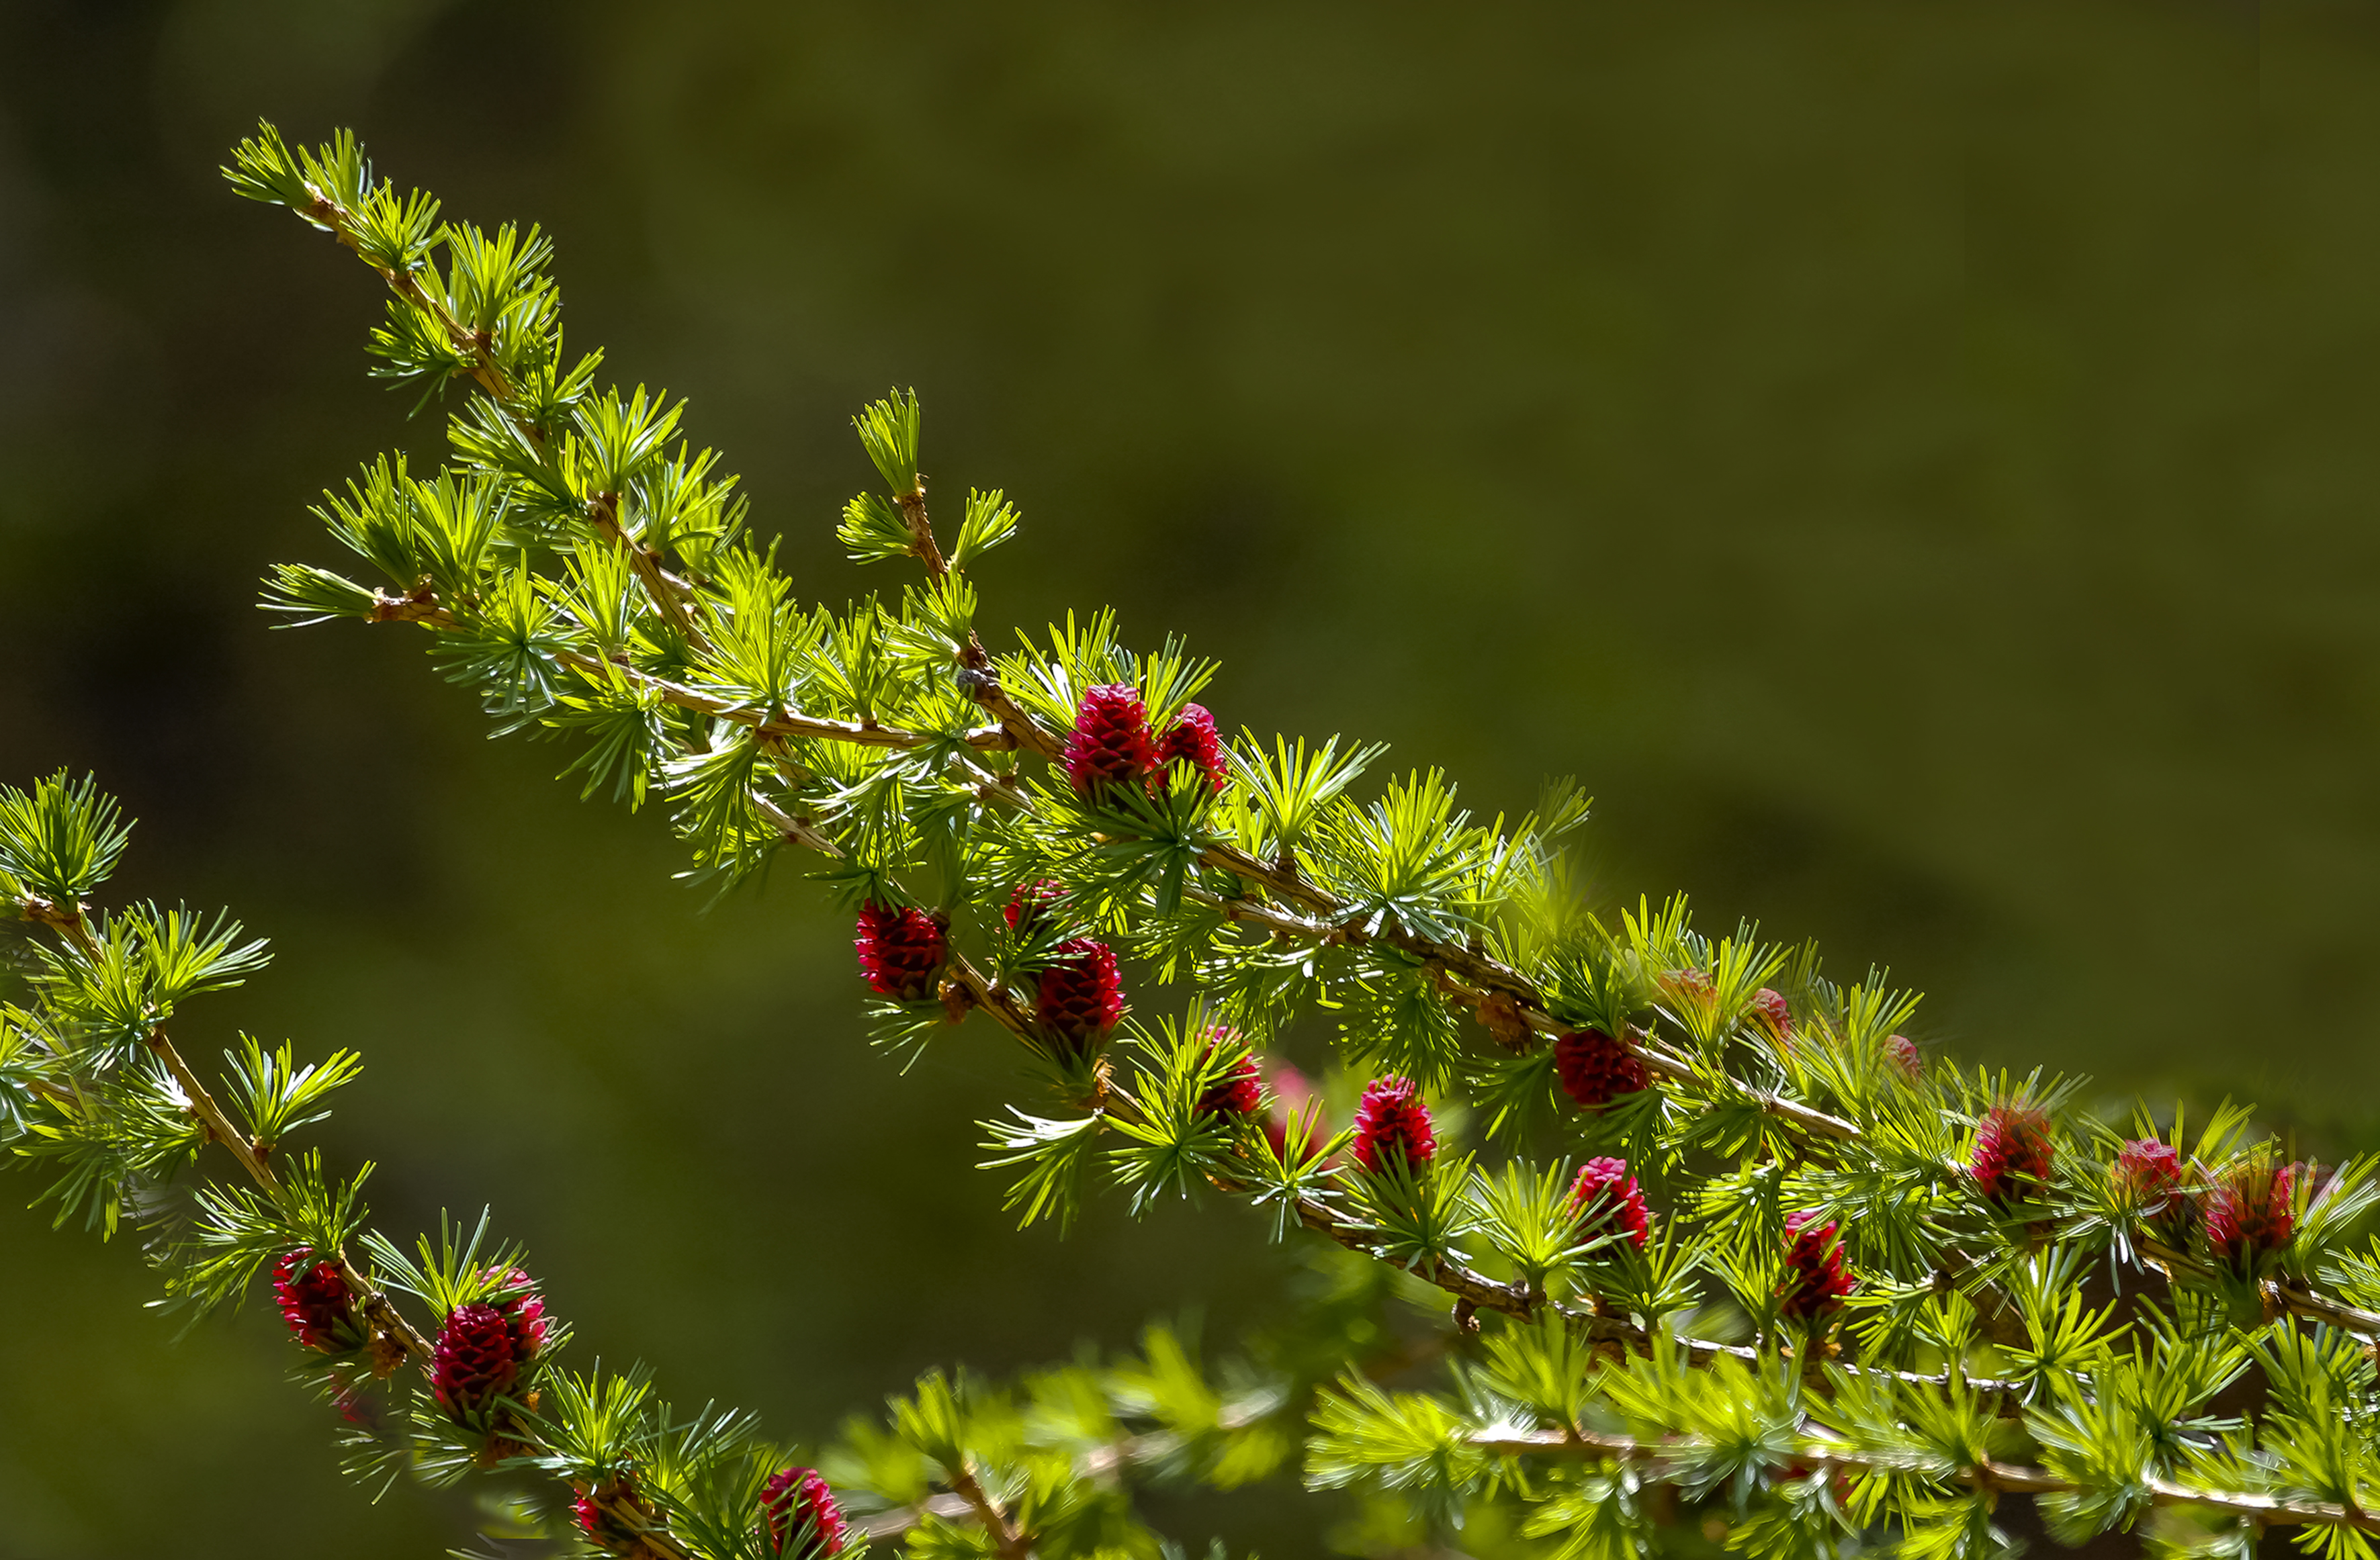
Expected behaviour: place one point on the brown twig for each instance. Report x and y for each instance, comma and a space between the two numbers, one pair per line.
893, 1524
978, 676
921, 529
422, 607
670, 595
1011, 1544
1533, 1013
2300, 1301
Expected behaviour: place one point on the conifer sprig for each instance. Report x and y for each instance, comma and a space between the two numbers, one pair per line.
1319, 839
1895, 1242
334, 189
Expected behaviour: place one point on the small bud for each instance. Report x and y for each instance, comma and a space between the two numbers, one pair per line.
2148, 1174
2013, 1151
2252, 1210
799, 1518
1814, 1281
1901, 1055
1029, 903
1689, 985
1240, 1091
608, 1531
1606, 1196
1392, 1126
1775, 1015
1191, 740
1596, 1070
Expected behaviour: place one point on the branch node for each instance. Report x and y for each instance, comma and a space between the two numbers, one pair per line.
388, 1353
1500, 1015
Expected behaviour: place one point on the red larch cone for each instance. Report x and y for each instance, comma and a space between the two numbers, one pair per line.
1689, 986
1392, 1126
1607, 1194
901, 952
2013, 1151
1294, 1101
1240, 1091
1192, 740
1774, 1014
1110, 746
587, 1506
2252, 1210
315, 1302
476, 1359
1814, 1281
1595, 1068
1029, 903
1081, 994
2148, 1173
524, 1310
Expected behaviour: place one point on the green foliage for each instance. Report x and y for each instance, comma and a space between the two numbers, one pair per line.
238, 1230
587, 575
58, 841
1413, 1215
1415, 1444
1525, 1214
1291, 789
990, 520
888, 431
111, 1140
453, 1271
1172, 1143
1056, 1155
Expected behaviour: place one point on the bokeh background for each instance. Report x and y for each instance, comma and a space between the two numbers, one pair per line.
1916, 465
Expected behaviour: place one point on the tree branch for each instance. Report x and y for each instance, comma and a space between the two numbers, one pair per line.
2010, 1478
74, 928
389, 1323
1516, 1300
670, 594
1468, 973
1011, 1544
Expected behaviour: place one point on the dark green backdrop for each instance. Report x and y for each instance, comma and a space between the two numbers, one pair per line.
1914, 464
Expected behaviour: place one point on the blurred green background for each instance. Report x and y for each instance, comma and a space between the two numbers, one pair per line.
1916, 465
